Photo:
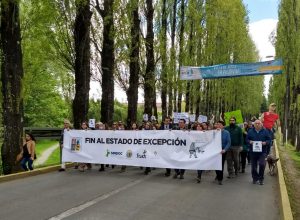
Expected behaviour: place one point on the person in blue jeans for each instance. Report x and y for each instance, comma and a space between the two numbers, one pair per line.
258, 139
28, 152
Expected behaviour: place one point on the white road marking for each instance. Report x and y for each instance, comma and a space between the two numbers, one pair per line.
83, 206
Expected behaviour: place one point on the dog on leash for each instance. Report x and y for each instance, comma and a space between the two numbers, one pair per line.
272, 160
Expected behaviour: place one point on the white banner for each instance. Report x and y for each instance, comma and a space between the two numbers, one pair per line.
195, 150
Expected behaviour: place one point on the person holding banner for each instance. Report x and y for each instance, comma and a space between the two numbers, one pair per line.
258, 139
67, 127
236, 136
180, 172
226, 143
167, 126
83, 166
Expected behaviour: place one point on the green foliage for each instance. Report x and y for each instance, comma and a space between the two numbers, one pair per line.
44, 104
285, 89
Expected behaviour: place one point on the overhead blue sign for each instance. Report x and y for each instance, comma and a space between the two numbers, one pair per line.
231, 70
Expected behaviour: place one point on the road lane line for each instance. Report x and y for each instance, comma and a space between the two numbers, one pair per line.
90, 203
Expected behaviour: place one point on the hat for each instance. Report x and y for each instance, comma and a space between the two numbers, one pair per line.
272, 104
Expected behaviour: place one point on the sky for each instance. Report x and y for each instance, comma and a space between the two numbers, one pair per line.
263, 16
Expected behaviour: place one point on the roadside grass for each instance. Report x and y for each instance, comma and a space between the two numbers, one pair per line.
290, 160
54, 158
42, 145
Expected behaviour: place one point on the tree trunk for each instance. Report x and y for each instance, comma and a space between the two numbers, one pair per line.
149, 87
11, 78
181, 39
173, 58
82, 62
164, 76
132, 92
108, 61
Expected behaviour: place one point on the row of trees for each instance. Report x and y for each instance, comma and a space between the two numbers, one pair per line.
285, 88
135, 44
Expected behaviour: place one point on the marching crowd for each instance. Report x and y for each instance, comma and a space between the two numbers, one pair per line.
251, 144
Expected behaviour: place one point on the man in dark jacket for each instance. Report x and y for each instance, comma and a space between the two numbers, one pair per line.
258, 139
180, 172
236, 136
167, 126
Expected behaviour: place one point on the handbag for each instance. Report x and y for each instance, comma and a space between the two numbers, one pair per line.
19, 157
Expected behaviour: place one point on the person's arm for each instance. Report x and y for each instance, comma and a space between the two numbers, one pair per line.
32, 149
241, 137
228, 142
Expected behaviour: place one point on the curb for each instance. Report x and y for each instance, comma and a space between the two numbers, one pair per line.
285, 206
35, 172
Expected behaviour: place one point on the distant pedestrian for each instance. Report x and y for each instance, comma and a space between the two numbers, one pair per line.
258, 139
28, 151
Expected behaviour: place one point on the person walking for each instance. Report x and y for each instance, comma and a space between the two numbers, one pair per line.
67, 127
28, 152
258, 139
226, 143
269, 119
167, 126
180, 172
232, 157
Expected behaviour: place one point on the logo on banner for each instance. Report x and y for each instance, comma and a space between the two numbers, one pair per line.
129, 154
143, 155
197, 147
76, 144
113, 153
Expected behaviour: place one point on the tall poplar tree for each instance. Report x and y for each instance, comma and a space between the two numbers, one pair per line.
82, 61
108, 61
132, 92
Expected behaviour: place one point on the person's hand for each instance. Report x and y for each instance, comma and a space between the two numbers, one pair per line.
223, 151
264, 143
31, 158
251, 142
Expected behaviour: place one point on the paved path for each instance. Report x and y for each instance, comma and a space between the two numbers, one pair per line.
112, 195
45, 155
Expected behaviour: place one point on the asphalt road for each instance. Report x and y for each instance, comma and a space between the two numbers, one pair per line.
112, 195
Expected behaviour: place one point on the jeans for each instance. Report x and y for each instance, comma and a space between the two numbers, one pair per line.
220, 172
244, 155
24, 162
258, 159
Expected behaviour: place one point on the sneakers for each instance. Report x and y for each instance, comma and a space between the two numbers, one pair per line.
167, 174
198, 179
101, 169
181, 177
61, 170
175, 176
220, 182
261, 182
242, 171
